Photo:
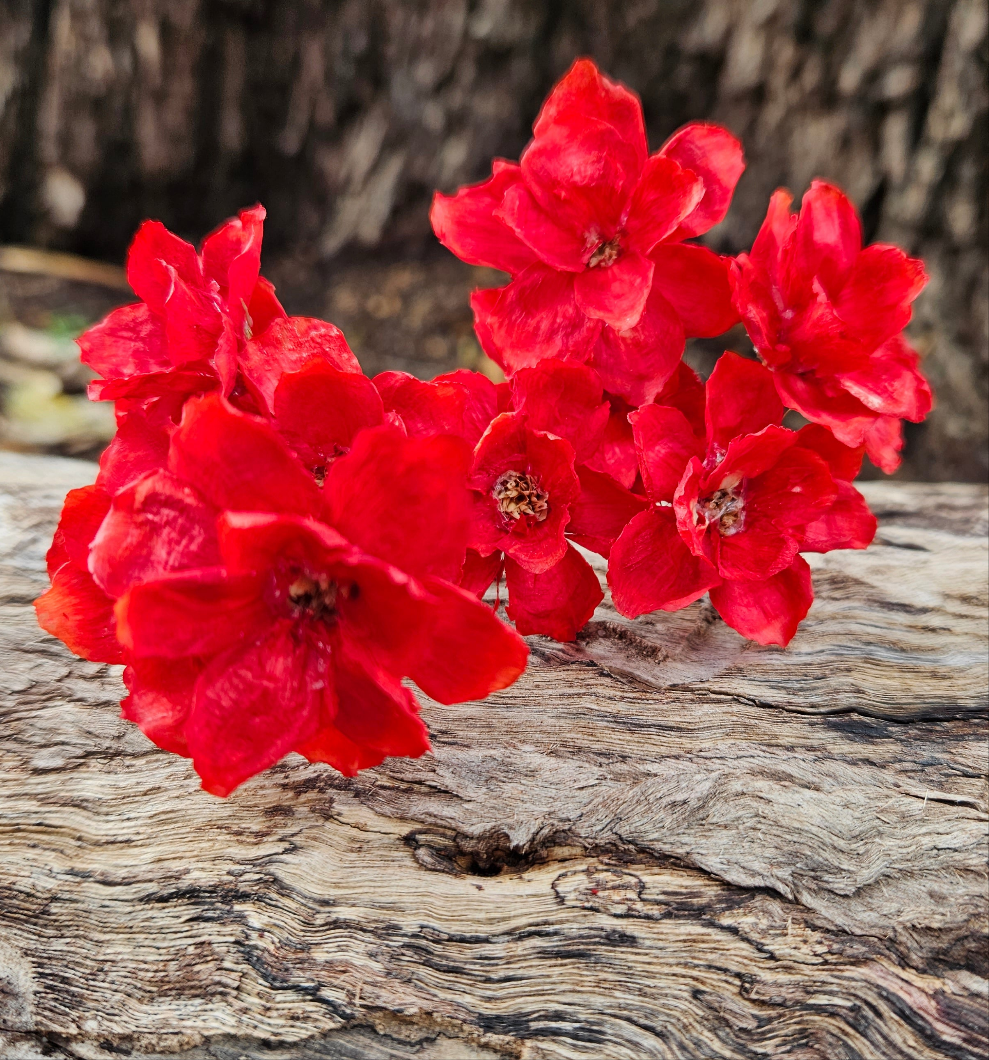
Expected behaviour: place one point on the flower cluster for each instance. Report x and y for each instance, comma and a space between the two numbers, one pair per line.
275, 541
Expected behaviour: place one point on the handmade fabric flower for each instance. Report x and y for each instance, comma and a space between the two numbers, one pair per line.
730, 512
826, 317
260, 614
590, 226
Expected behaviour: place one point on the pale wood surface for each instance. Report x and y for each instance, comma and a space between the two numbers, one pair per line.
660, 843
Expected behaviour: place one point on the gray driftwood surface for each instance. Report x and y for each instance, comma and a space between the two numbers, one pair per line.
661, 842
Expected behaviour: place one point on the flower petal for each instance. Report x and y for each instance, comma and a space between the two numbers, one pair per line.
129, 341
557, 244
741, 399
694, 280
377, 712
536, 316
160, 700
847, 523
139, 446
665, 444
665, 195
319, 410
480, 571
769, 611
329, 745
651, 569
875, 301
616, 454
601, 512
77, 611
467, 224
617, 293
565, 399
253, 704
83, 511
231, 257
156, 525
449, 404
467, 652
585, 92
716, 157
637, 363
844, 461
156, 256
239, 462
557, 603
891, 382
883, 442
826, 240
404, 500
289, 343
685, 391
198, 612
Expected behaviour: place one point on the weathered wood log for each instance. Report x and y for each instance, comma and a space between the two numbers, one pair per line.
661, 842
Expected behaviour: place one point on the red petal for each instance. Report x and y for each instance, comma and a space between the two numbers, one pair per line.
483, 303
155, 257
616, 455
376, 712
883, 442
198, 379
461, 403
331, 746
875, 301
191, 613
847, 523
156, 525
666, 194
583, 92
468, 652
481, 401
256, 542
319, 410
617, 293
891, 383
822, 400
466, 223
774, 233
565, 399
160, 700
536, 316
601, 512
637, 363
665, 444
741, 399
77, 611
716, 157
557, 603
139, 446
582, 173
547, 238
843, 460
694, 280
685, 391
767, 612
651, 569
480, 571
255, 703
826, 240
264, 308
193, 324
129, 341
82, 513
759, 551
239, 462
404, 500
288, 344
793, 492
231, 257
749, 455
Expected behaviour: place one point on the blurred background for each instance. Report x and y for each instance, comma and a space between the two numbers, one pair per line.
342, 116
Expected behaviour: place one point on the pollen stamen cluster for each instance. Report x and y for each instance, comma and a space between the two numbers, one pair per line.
519, 494
605, 255
723, 507
315, 597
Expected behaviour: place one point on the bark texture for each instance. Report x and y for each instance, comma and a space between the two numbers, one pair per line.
659, 843
343, 116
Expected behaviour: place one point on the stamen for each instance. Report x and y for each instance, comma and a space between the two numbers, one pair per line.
606, 254
518, 494
315, 597
723, 507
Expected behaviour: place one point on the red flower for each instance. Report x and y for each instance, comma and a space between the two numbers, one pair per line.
590, 227
730, 512
826, 316
461, 403
261, 614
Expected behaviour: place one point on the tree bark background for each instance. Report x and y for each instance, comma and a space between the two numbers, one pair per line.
344, 116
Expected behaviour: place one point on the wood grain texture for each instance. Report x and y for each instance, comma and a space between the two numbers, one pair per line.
659, 843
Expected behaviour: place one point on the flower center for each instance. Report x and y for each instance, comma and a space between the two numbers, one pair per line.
606, 254
518, 494
313, 597
723, 507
